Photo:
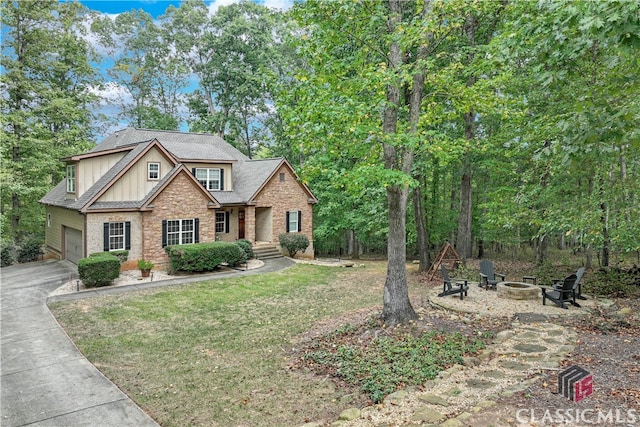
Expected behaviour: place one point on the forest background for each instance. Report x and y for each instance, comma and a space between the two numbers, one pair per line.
503, 124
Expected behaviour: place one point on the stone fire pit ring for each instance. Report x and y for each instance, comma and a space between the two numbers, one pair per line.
518, 290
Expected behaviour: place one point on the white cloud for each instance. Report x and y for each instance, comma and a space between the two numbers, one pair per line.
111, 93
272, 4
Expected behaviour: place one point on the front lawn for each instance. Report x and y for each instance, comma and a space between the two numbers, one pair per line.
216, 353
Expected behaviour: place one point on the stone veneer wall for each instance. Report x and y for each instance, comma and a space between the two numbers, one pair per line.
181, 199
287, 196
95, 234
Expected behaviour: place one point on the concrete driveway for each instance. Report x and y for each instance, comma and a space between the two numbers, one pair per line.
45, 380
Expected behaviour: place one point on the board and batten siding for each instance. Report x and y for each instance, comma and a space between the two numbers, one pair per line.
90, 170
134, 185
54, 232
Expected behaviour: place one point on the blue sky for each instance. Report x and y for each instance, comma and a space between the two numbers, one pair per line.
153, 7
157, 7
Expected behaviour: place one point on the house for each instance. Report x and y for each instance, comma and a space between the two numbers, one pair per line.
142, 190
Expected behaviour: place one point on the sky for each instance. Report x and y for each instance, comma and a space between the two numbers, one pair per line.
156, 8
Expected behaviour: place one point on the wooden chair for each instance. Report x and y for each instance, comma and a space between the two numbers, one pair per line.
488, 276
577, 286
448, 286
561, 295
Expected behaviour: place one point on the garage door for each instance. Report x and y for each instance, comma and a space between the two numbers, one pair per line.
72, 245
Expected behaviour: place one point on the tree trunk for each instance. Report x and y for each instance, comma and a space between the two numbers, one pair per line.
606, 241
463, 242
542, 246
422, 233
353, 249
396, 308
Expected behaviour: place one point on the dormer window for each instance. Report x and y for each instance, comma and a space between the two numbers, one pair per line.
210, 178
71, 178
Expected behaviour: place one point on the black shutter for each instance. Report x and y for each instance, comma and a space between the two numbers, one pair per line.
193, 171
287, 225
164, 233
221, 179
299, 221
196, 230
226, 222
105, 237
127, 235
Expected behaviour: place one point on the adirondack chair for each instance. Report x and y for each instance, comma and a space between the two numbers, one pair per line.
577, 286
448, 286
488, 278
561, 295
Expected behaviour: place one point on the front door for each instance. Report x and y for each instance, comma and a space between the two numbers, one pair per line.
241, 225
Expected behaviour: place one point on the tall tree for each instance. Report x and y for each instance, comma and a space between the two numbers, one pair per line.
146, 66
231, 53
363, 100
46, 104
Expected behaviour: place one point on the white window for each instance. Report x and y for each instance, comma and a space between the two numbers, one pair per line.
293, 221
221, 222
48, 220
180, 231
209, 178
153, 171
71, 178
116, 236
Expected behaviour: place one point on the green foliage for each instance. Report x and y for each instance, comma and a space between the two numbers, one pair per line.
144, 264
98, 270
294, 243
121, 254
390, 363
199, 257
46, 104
7, 257
247, 247
30, 249
612, 283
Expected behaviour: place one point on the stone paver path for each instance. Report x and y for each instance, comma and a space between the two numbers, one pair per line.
512, 363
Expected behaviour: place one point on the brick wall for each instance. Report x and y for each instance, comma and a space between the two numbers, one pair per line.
181, 199
283, 196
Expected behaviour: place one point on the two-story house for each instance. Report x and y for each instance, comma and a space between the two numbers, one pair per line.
142, 190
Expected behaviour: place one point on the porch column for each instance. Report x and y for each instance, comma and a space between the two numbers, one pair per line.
250, 223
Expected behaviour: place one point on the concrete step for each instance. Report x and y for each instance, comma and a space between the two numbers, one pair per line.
266, 252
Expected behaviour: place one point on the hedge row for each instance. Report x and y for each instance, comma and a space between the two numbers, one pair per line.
199, 257
100, 269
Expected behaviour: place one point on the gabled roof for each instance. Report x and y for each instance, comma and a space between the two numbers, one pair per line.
249, 176
183, 146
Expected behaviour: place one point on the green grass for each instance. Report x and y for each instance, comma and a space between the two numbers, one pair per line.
215, 353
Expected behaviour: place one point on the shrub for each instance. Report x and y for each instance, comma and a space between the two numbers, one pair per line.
121, 254
199, 257
6, 255
30, 249
99, 269
145, 264
294, 243
247, 247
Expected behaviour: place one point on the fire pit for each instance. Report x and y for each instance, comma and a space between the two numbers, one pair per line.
517, 290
